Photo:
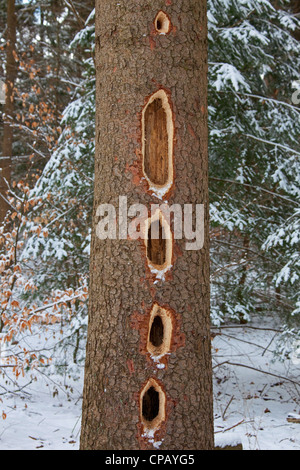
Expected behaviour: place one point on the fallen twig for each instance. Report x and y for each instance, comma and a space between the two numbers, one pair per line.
257, 370
234, 426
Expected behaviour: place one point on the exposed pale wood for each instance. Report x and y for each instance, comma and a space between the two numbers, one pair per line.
159, 338
152, 405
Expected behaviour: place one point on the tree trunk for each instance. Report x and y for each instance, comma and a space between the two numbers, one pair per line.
295, 4
5, 162
243, 278
148, 376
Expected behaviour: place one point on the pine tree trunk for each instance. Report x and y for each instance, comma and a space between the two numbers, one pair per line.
130, 400
295, 4
5, 162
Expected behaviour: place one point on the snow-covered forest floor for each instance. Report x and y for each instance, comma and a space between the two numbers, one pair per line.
252, 406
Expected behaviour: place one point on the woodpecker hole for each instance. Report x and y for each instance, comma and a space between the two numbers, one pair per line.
162, 23
157, 332
157, 141
158, 242
152, 404
160, 331
156, 248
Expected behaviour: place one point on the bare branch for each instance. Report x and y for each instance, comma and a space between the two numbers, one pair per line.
256, 370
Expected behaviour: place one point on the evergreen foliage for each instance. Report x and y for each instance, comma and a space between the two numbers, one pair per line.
254, 159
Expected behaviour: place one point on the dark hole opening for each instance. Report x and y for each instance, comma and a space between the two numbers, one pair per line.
150, 404
157, 331
158, 25
156, 247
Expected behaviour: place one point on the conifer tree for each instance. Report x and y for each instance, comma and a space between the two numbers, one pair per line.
149, 393
10, 76
254, 177
254, 159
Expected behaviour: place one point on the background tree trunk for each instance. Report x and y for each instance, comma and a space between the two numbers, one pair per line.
7, 147
295, 4
134, 61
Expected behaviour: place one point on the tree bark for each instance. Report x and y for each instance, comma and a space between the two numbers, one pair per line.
124, 387
7, 147
295, 4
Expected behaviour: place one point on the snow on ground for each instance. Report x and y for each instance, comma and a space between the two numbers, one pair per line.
41, 418
250, 407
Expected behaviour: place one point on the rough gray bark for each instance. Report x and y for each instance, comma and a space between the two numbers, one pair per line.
133, 62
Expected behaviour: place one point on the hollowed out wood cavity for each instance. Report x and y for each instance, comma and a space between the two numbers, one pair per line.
160, 331
156, 248
157, 148
157, 332
150, 408
162, 23
158, 242
152, 405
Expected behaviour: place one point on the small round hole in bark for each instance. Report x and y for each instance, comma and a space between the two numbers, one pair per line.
162, 23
